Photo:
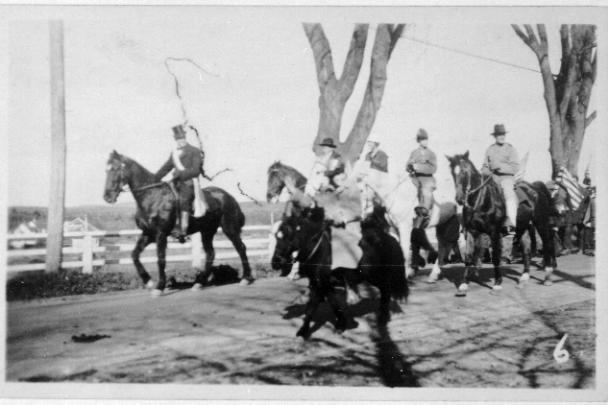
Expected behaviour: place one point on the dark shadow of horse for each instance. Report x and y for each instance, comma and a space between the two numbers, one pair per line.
156, 216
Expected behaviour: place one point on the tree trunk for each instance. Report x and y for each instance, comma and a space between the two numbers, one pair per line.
566, 94
334, 93
58, 149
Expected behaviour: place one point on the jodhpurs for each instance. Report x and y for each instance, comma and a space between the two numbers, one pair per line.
508, 188
425, 185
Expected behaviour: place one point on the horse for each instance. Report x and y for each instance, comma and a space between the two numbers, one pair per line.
156, 216
399, 199
382, 262
484, 212
307, 233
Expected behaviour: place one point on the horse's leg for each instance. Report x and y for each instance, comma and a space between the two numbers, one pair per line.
470, 260
443, 248
332, 299
405, 234
202, 278
524, 244
496, 255
143, 241
311, 308
161, 253
549, 251
240, 247
533, 244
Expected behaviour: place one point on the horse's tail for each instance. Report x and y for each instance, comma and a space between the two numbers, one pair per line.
399, 288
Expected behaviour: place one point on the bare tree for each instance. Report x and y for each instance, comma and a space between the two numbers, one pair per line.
566, 94
335, 92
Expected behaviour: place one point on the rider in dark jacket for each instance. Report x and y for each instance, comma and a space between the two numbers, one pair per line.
186, 163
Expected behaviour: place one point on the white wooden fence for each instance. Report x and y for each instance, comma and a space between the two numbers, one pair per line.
88, 247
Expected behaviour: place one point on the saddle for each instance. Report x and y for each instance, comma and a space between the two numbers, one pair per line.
525, 193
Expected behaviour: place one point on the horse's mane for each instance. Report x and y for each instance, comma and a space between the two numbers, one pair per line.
133, 165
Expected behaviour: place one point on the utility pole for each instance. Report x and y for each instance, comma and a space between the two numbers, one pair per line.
54, 239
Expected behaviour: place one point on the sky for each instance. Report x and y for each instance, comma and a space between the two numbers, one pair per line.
260, 102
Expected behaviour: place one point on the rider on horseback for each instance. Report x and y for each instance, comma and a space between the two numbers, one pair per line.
502, 162
377, 160
187, 162
328, 170
421, 166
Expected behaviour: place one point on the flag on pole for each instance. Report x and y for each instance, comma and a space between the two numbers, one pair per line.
522, 168
575, 191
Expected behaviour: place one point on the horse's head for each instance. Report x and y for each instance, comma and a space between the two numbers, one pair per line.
297, 228
115, 177
276, 182
462, 170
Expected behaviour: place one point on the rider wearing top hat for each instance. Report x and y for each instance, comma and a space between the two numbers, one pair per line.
502, 162
186, 162
421, 166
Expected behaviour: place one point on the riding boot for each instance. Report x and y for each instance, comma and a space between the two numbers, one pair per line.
183, 232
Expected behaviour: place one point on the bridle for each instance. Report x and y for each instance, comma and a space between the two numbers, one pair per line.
123, 186
319, 236
468, 191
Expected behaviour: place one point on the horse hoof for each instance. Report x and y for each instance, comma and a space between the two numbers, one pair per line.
548, 282
246, 281
497, 287
303, 334
156, 293
409, 273
150, 284
524, 278
462, 290
197, 287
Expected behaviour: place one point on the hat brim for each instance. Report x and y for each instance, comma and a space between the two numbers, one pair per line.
498, 133
328, 144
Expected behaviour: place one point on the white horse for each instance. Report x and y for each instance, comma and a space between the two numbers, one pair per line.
399, 197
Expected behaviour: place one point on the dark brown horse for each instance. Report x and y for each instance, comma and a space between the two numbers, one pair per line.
484, 212
306, 233
156, 216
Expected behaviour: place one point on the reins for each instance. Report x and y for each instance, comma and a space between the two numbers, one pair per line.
323, 233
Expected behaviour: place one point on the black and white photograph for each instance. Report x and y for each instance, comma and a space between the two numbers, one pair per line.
303, 202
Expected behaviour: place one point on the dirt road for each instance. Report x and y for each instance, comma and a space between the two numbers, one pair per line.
246, 335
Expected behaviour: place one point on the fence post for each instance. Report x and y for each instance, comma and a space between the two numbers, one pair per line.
87, 253
197, 254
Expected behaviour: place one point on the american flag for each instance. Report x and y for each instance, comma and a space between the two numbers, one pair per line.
575, 191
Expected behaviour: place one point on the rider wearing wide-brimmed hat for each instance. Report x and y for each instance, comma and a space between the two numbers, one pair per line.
186, 162
328, 170
502, 162
421, 166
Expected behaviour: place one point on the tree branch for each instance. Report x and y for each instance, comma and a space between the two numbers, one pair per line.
530, 41
395, 34
322, 54
590, 118
353, 62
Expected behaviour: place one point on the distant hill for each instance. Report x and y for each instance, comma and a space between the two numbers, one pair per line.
120, 216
